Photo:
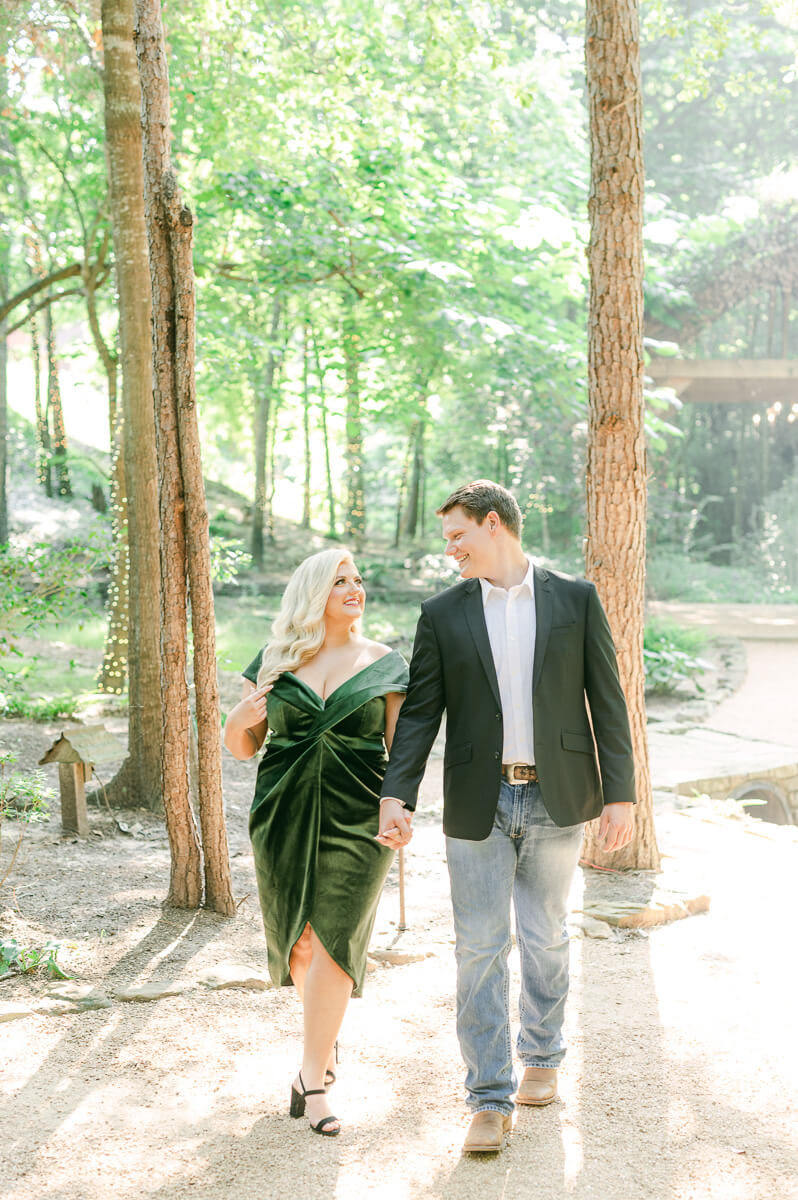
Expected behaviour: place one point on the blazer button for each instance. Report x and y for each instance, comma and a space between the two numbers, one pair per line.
498, 716
497, 754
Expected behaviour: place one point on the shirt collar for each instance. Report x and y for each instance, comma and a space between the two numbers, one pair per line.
528, 582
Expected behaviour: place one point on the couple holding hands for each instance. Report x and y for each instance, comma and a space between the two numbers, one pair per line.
521, 661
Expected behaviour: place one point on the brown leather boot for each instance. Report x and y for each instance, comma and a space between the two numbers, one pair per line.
486, 1132
539, 1086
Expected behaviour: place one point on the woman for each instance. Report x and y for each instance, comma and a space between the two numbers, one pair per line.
333, 699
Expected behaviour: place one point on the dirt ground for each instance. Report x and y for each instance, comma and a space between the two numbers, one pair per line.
679, 1084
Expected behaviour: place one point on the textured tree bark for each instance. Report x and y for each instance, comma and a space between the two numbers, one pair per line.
616, 460
355, 525
185, 548
139, 779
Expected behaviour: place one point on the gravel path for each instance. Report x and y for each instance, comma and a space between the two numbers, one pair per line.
680, 1082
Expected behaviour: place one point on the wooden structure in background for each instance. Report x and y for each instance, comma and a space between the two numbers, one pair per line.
77, 751
761, 381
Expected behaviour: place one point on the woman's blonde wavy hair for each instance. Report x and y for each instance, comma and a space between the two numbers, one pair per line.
298, 631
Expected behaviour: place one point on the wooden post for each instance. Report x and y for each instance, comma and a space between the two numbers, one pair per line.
74, 816
402, 924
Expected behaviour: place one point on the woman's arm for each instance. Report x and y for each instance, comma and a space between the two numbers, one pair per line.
246, 724
393, 702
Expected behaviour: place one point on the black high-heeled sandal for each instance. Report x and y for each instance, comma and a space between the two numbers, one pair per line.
329, 1075
297, 1109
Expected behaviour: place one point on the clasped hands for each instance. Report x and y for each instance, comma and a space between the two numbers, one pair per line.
395, 825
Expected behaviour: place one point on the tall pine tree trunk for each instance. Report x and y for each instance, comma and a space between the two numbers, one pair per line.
616, 460
264, 392
139, 780
185, 546
355, 493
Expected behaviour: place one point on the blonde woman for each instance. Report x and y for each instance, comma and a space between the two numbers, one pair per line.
328, 698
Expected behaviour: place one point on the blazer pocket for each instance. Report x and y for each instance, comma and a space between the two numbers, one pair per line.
572, 739
566, 627
457, 754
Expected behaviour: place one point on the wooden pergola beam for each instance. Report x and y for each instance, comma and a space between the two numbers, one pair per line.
685, 370
756, 381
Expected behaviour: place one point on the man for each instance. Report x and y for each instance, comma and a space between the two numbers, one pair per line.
522, 662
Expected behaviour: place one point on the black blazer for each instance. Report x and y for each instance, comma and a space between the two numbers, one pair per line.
575, 667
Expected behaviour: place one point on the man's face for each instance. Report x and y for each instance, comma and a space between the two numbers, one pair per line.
472, 546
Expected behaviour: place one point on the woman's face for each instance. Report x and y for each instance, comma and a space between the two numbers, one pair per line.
347, 598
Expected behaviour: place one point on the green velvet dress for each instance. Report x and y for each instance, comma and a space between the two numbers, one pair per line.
316, 812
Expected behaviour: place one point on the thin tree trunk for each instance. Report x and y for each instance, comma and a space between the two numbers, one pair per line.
185, 548
416, 477
616, 462
5, 253
306, 428
325, 438
43, 447
139, 779
400, 491
3, 419
55, 408
272, 456
355, 492
263, 412
111, 677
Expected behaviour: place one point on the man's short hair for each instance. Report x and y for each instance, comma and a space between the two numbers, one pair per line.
482, 496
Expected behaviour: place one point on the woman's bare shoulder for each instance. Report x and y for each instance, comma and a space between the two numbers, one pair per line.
375, 650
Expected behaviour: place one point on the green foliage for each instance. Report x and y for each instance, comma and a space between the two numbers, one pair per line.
42, 583
227, 558
29, 959
670, 659
23, 795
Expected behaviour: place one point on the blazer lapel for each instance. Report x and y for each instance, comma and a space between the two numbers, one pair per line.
542, 620
475, 616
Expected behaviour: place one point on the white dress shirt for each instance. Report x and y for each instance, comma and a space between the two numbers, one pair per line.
510, 618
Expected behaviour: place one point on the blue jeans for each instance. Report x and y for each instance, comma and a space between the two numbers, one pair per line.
527, 858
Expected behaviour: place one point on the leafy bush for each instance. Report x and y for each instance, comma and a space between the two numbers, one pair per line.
670, 659
40, 583
26, 959
23, 795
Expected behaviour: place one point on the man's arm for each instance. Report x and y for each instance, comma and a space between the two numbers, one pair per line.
419, 718
609, 716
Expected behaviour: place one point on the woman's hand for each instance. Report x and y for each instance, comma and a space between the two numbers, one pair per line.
247, 723
395, 830
251, 710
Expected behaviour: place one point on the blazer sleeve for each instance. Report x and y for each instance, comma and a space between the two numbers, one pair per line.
608, 710
419, 718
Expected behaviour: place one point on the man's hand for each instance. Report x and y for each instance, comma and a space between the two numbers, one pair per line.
616, 826
395, 828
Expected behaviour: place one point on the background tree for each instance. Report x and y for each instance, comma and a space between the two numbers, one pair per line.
616, 459
139, 780
185, 552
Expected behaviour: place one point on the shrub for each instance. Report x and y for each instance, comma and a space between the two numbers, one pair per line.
670, 659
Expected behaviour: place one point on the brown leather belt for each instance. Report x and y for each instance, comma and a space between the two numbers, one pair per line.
519, 772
